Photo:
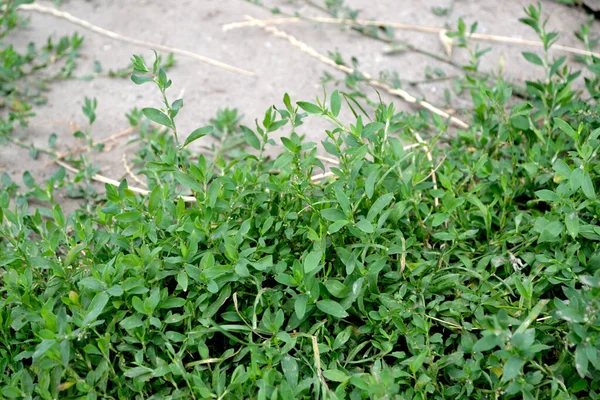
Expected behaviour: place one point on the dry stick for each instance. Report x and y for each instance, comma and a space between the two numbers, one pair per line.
318, 177
96, 177
85, 149
430, 158
315, 346
409, 98
406, 27
126, 39
130, 172
104, 179
451, 324
328, 160
433, 171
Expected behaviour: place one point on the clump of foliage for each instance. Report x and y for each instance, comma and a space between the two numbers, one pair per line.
473, 273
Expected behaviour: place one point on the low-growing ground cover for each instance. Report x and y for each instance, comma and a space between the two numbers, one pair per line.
416, 260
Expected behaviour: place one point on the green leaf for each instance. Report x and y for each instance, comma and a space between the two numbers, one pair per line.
43, 348
595, 68
131, 322
182, 280
523, 286
335, 375
336, 288
370, 183
73, 253
300, 305
572, 223
365, 226
566, 128
138, 64
588, 187
175, 107
139, 79
95, 308
197, 134
157, 116
332, 308
418, 361
115, 290
289, 367
439, 219
12, 393
188, 181
138, 305
444, 236
283, 160
291, 146
287, 102
342, 338
576, 178
193, 272
333, 214
137, 371
336, 226
547, 195
555, 228
335, 103
379, 205
59, 217
312, 261
486, 343
562, 168
343, 201
129, 216
533, 58
250, 137
160, 167
551, 232
512, 368
310, 107
28, 179
581, 360
533, 314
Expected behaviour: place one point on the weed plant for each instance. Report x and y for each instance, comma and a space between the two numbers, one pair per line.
465, 267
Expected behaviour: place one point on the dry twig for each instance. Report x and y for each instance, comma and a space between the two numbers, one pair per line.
130, 172
406, 27
430, 158
409, 98
127, 39
85, 149
104, 179
319, 177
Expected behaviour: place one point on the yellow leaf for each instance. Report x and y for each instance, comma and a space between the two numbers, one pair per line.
65, 386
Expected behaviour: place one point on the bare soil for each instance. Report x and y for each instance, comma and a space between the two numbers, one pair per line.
197, 26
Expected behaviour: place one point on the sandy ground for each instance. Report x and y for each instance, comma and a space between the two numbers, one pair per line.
197, 26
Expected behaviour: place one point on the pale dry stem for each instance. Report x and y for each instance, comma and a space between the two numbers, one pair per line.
406, 27
130, 172
430, 158
409, 98
116, 36
104, 179
85, 149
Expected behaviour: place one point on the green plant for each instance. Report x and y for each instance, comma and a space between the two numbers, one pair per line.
466, 265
